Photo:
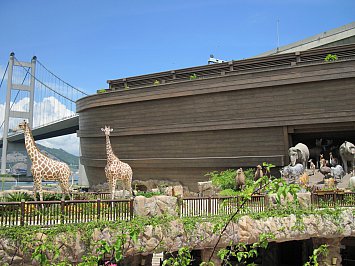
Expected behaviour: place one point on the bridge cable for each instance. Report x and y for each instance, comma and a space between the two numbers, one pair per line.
3, 76
23, 81
61, 79
45, 85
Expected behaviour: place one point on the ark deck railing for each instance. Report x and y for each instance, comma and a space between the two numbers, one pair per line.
48, 213
251, 65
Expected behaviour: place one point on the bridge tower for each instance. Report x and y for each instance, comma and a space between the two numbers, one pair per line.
17, 114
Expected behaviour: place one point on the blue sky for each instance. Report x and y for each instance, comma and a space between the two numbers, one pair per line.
88, 42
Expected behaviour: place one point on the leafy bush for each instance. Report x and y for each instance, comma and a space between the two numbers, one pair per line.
193, 76
331, 57
223, 180
249, 176
54, 196
18, 196
228, 192
101, 91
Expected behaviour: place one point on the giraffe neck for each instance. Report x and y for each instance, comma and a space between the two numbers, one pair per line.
109, 152
30, 144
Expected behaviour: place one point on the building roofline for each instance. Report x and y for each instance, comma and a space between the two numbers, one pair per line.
320, 39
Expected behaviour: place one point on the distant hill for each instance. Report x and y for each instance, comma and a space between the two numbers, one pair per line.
17, 160
60, 154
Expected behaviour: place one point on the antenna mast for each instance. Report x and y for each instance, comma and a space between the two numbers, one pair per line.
278, 36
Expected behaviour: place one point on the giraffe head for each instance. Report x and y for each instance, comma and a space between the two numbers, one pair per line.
23, 125
107, 130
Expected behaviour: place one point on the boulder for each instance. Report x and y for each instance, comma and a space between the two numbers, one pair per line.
155, 206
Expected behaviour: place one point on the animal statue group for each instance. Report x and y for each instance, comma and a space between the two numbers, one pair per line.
299, 155
116, 169
44, 167
292, 173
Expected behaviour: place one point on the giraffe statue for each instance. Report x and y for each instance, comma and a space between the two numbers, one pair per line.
43, 167
115, 169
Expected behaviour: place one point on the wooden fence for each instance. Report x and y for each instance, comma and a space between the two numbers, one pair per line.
47, 213
205, 206
334, 198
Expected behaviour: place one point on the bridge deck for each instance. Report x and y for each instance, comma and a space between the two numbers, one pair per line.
59, 128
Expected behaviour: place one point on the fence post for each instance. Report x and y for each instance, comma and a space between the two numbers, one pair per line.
209, 206
98, 202
266, 202
22, 219
179, 200
131, 208
62, 211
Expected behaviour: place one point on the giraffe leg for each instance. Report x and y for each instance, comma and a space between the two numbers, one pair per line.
113, 187
38, 185
109, 185
129, 187
65, 189
35, 181
35, 190
124, 188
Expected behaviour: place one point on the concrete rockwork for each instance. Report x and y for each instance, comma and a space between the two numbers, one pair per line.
171, 236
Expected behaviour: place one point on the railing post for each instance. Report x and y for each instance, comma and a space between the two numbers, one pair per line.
209, 207
131, 208
62, 211
179, 200
22, 219
266, 202
98, 202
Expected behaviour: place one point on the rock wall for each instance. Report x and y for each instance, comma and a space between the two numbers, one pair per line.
172, 235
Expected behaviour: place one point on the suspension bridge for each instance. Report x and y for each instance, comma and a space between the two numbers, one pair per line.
33, 92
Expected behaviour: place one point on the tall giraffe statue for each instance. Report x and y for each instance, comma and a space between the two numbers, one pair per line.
115, 169
43, 167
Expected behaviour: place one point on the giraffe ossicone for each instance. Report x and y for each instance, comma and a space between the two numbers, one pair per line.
44, 167
116, 169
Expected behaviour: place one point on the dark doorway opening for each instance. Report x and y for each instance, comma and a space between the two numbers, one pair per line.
347, 250
323, 142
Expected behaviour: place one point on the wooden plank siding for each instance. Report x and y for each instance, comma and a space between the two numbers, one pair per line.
183, 130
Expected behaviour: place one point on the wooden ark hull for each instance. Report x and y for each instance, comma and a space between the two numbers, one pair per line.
235, 114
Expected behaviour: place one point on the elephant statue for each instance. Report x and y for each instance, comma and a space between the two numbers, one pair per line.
347, 154
299, 154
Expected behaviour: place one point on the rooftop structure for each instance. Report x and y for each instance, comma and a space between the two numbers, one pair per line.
339, 36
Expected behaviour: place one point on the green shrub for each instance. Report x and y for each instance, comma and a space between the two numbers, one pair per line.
18, 196
193, 76
331, 57
101, 91
223, 180
54, 196
229, 192
156, 82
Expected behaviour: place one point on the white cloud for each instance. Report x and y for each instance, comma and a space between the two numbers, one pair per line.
46, 111
49, 110
69, 143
